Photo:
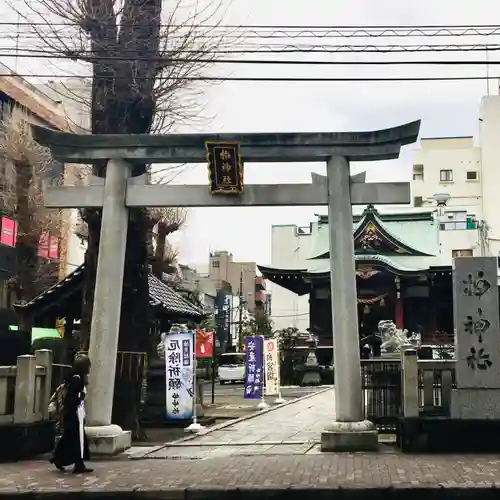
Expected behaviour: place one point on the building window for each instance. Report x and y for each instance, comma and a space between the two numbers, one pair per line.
461, 253
418, 201
446, 175
472, 175
215, 264
453, 221
418, 172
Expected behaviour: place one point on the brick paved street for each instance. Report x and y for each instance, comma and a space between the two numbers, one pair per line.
263, 455
318, 471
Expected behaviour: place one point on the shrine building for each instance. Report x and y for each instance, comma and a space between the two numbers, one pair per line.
401, 275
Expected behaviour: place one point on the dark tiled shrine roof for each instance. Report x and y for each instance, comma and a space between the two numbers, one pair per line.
160, 296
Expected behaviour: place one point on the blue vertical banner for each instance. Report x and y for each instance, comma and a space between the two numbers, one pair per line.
179, 366
254, 367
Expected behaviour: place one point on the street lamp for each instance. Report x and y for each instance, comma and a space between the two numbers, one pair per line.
441, 199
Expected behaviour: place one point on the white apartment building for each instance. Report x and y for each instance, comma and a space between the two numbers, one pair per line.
451, 165
72, 97
290, 247
468, 171
465, 168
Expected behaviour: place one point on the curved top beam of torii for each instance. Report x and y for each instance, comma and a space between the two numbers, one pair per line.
259, 147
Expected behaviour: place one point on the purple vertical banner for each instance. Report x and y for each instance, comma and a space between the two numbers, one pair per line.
254, 367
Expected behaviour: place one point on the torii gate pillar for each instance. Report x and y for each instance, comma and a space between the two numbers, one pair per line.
117, 193
350, 431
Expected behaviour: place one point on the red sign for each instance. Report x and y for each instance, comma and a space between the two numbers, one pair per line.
270, 346
204, 344
53, 247
43, 245
9, 232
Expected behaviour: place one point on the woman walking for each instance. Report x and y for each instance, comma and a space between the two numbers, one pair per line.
72, 448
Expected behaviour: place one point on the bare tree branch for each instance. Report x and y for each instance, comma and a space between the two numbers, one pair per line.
22, 154
136, 42
25, 167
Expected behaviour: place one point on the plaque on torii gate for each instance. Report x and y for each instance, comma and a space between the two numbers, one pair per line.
119, 192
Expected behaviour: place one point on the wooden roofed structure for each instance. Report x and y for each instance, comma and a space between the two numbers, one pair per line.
64, 300
400, 274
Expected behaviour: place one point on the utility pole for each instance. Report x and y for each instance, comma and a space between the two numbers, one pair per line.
240, 320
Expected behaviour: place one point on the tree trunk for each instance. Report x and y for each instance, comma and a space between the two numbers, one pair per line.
93, 219
134, 327
124, 104
27, 240
160, 250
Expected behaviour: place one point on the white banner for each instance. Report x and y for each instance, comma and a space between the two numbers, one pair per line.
271, 367
179, 375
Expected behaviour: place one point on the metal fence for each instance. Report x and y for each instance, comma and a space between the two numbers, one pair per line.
381, 379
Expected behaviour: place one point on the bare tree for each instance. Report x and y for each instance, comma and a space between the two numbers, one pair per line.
25, 166
168, 221
142, 58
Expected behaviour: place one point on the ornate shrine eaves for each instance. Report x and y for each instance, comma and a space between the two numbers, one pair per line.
299, 280
255, 147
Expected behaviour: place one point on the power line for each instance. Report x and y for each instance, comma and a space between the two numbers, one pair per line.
273, 35
279, 79
289, 26
280, 49
181, 60
278, 32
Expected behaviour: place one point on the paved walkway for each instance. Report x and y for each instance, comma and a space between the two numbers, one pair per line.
205, 467
294, 428
262, 474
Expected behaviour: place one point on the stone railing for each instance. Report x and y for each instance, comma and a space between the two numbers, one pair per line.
426, 385
25, 389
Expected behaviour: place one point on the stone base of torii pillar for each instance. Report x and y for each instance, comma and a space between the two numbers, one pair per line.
108, 439
350, 436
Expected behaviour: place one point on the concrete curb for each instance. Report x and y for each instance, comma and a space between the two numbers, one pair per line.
260, 492
223, 425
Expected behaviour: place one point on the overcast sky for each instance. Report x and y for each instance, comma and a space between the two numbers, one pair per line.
445, 108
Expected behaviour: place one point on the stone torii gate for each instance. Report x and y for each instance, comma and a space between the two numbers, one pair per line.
118, 192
